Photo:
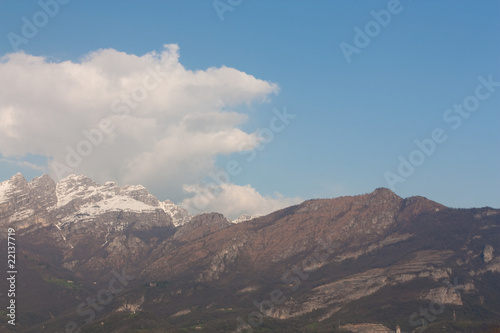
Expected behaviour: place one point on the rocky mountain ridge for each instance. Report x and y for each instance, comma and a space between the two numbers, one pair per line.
79, 199
347, 263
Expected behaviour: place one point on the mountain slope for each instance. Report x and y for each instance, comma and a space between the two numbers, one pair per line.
372, 259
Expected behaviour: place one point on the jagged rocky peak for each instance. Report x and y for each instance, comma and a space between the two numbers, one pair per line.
18, 179
79, 198
44, 181
20, 200
139, 193
75, 181
94, 199
83, 188
76, 186
15, 191
15, 185
180, 216
43, 190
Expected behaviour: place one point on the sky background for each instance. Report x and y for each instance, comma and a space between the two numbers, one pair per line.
222, 82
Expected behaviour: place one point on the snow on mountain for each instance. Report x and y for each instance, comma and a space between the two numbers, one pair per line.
14, 198
21, 215
94, 199
179, 215
11, 187
76, 187
79, 198
114, 204
5, 189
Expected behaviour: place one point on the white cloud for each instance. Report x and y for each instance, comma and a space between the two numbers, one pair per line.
169, 123
233, 200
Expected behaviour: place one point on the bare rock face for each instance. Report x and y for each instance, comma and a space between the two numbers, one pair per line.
14, 203
131, 306
327, 256
43, 191
80, 216
222, 260
494, 265
77, 203
443, 295
363, 284
487, 253
23, 204
179, 215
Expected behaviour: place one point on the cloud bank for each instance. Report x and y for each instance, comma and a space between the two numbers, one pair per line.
133, 119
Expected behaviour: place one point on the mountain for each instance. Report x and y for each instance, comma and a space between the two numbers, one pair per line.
108, 258
78, 199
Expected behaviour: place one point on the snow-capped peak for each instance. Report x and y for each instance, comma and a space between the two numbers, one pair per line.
178, 214
11, 186
76, 187
5, 188
79, 198
95, 199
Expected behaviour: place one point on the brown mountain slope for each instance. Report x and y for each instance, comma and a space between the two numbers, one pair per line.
373, 258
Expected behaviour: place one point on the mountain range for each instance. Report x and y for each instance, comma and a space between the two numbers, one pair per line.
109, 258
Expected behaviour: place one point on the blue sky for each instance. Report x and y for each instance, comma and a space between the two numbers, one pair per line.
353, 119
